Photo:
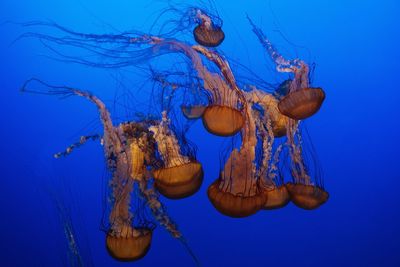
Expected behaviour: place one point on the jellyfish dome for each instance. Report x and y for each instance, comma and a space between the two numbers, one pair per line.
129, 245
307, 197
222, 120
302, 104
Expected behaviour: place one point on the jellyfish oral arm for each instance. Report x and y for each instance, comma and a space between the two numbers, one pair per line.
167, 143
206, 20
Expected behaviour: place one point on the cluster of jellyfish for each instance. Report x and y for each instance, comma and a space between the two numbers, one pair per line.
149, 157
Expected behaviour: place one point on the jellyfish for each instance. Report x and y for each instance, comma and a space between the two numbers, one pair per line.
207, 32
236, 193
129, 150
301, 100
304, 192
180, 176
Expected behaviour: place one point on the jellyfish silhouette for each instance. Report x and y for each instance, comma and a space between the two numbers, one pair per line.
301, 101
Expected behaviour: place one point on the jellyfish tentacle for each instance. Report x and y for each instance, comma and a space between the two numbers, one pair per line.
283, 64
82, 140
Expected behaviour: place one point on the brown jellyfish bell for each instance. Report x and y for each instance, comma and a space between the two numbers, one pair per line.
181, 176
207, 33
129, 245
236, 192
222, 120
306, 196
302, 103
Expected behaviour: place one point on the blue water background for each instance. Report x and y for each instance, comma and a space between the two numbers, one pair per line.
355, 45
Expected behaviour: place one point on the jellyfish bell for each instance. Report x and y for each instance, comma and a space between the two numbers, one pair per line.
235, 206
210, 36
130, 244
193, 112
278, 197
302, 103
179, 181
222, 120
307, 197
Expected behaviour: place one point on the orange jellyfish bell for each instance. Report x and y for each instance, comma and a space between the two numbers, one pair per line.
277, 197
234, 205
211, 36
193, 112
179, 181
222, 120
302, 103
307, 197
131, 245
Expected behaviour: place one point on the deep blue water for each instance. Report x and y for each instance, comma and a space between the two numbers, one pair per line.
356, 133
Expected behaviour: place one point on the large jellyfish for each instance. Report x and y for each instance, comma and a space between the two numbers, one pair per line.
301, 101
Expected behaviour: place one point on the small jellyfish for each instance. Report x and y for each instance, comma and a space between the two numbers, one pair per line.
304, 192
236, 193
301, 100
207, 32
180, 176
